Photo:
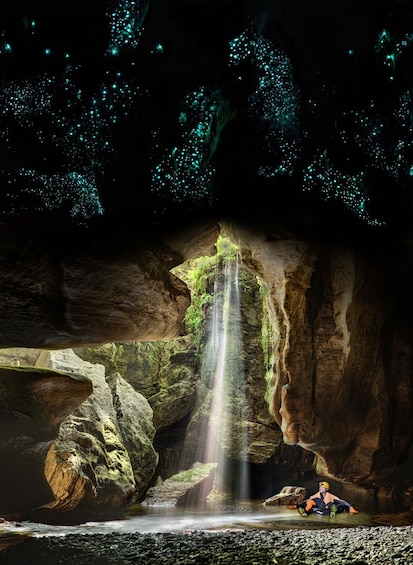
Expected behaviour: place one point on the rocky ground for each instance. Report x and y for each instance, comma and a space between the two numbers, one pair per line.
382, 545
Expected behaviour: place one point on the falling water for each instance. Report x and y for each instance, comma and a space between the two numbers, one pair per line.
226, 441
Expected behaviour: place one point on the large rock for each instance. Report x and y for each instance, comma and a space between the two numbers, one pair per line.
33, 403
135, 420
87, 466
172, 404
189, 487
82, 459
287, 496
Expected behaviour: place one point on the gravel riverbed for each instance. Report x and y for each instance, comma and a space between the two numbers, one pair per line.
382, 545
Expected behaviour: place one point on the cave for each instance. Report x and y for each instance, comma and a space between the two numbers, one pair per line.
135, 134
333, 392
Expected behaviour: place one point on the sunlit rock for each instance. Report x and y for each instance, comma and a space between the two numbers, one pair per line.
19, 356
135, 420
287, 496
87, 466
102, 456
185, 488
58, 297
165, 373
33, 403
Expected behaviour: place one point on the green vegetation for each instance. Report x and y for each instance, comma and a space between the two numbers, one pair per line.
195, 474
199, 276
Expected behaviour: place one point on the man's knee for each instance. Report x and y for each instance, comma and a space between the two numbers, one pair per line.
309, 505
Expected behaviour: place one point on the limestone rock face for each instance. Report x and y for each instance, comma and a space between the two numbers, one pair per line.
172, 404
81, 441
87, 466
59, 294
33, 403
135, 420
342, 350
185, 488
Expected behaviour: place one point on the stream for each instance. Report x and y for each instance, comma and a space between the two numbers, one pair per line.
165, 519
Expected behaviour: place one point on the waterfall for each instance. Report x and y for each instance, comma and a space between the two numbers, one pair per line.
226, 441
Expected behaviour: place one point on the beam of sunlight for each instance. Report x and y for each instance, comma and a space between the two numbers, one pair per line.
226, 441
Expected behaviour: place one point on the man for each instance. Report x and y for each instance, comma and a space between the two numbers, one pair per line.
325, 503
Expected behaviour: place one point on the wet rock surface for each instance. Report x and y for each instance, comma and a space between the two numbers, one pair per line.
356, 546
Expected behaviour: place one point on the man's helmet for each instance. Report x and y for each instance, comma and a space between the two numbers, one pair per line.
324, 484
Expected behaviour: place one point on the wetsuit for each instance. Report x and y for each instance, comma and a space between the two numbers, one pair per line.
321, 503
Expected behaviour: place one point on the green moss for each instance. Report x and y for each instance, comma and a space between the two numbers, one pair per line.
194, 474
23, 370
199, 275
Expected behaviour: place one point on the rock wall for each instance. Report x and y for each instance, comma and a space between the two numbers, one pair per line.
340, 345
343, 351
77, 444
33, 403
72, 289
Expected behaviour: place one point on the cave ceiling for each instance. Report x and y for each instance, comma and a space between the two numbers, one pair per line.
143, 113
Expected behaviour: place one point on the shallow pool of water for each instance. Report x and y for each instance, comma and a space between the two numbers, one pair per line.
163, 519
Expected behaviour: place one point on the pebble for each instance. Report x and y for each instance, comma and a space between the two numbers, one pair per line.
383, 545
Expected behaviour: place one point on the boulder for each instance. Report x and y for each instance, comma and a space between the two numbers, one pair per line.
172, 404
135, 420
189, 487
87, 466
33, 404
287, 496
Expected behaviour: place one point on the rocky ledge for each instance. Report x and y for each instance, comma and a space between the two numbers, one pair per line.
356, 546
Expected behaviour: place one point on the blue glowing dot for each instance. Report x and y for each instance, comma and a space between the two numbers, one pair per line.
47, 51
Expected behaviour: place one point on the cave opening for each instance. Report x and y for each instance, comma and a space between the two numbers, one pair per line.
232, 349
223, 439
